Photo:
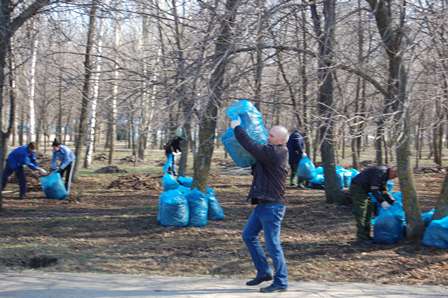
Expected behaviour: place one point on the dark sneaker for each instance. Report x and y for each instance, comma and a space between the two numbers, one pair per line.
258, 280
273, 288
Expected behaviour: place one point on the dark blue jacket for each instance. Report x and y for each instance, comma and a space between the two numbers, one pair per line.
296, 146
270, 169
22, 156
374, 180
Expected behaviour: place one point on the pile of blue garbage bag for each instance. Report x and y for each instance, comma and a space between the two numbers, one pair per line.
315, 175
53, 186
181, 206
252, 122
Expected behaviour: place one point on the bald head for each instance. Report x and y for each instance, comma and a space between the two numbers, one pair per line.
278, 135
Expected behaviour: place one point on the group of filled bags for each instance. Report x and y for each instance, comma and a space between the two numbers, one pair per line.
389, 226
181, 206
315, 176
252, 122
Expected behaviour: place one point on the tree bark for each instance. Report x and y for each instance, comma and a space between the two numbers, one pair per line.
207, 123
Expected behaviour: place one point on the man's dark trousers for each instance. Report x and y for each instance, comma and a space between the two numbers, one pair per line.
362, 209
20, 174
66, 171
267, 217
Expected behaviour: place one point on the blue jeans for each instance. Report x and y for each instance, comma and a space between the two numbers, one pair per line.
267, 217
20, 174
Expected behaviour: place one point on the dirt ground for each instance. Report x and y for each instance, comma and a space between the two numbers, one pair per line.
110, 226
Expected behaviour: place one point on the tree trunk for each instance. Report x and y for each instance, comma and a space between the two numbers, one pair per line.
80, 138
442, 203
207, 123
94, 100
32, 84
113, 108
325, 97
260, 4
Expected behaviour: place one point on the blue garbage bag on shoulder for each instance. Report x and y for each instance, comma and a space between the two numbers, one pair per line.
390, 224
252, 123
169, 182
306, 169
185, 181
215, 211
173, 209
53, 186
197, 201
427, 216
436, 234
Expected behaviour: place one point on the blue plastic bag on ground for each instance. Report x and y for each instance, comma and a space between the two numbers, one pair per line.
436, 234
173, 209
427, 216
185, 181
252, 123
215, 211
53, 186
197, 202
169, 182
306, 169
390, 224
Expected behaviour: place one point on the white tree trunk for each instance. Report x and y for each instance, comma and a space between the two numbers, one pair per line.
94, 101
113, 116
32, 85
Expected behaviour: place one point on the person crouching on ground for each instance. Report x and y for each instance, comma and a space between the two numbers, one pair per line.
267, 193
62, 161
374, 180
21, 156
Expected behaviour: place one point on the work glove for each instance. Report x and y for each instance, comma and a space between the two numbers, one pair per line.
235, 122
385, 205
42, 171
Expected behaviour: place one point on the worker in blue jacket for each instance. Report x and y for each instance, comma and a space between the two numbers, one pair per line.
62, 161
21, 156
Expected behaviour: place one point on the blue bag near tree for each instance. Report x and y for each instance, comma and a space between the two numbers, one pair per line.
306, 169
215, 211
53, 186
169, 182
252, 123
197, 202
427, 216
390, 224
436, 234
185, 181
173, 209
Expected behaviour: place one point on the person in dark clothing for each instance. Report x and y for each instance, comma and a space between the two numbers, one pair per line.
373, 180
267, 193
172, 149
296, 147
21, 156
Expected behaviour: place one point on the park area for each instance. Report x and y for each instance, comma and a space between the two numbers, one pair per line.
109, 225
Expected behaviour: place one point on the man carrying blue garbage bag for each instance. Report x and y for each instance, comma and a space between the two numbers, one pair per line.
371, 180
172, 149
21, 156
267, 193
62, 161
296, 147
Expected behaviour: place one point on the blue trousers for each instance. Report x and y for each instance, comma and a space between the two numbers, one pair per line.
267, 217
20, 174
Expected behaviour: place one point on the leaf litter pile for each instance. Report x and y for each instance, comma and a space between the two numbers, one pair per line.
112, 227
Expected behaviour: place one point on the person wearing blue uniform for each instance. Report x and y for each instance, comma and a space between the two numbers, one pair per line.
21, 156
296, 147
62, 161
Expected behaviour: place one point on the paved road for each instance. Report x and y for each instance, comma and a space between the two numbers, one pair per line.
36, 284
